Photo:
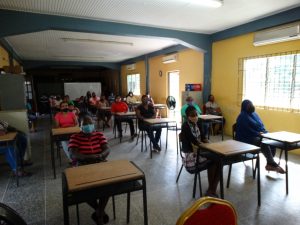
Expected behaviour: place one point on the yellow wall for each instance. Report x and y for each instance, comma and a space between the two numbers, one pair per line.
16, 63
139, 68
189, 65
4, 58
225, 58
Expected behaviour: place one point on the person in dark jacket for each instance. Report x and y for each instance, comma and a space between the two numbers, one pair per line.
249, 128
192, 137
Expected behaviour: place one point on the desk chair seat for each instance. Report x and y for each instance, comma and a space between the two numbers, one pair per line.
9, 216
209, 211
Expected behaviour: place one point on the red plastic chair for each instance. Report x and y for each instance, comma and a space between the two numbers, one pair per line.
209, 211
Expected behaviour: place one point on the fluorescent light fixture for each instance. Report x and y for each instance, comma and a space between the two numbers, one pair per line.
78, 56
208, 3
86, 40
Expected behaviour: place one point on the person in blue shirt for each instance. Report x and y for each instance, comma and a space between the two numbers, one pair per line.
249, 128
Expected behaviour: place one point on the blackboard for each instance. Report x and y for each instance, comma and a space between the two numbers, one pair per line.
12, 92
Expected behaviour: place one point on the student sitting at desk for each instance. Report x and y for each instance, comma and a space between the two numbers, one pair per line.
119, 106
249, 128
190, 102
191, 138
64, 119
90, 146
103, 114
21, 144
212, 108
147, 111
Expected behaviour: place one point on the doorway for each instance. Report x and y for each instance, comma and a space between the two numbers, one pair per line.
174, 91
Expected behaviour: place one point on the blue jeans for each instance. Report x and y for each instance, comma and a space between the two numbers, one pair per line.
10, 156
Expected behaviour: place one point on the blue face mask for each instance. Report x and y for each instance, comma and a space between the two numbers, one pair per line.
87, 129
190, 103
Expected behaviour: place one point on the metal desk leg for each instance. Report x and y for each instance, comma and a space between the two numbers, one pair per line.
145, 202
286, 169
222, 124
221, 179
258, 180
52, 156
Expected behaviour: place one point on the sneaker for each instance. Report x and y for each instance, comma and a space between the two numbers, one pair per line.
277, 169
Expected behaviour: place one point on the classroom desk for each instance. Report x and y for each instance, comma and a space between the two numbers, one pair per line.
163, 123
290, 142
9, 138
226, 150
60, 134
89, 182
210, 118
124, 115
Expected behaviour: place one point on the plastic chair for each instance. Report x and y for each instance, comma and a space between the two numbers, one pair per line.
209, 211
9, 216
199, 167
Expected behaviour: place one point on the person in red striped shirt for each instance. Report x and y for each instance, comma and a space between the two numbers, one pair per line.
90, 146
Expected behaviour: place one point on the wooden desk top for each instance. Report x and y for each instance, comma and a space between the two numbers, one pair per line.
125, 114
67, 130
160, 106
230, 147
210, 117
101, 174
159, 120
283, 136
10, 136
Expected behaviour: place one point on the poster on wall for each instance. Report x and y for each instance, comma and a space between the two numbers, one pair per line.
193, 87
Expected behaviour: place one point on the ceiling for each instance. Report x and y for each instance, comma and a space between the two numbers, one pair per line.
183, 15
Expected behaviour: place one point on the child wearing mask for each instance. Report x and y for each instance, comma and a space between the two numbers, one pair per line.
90, 146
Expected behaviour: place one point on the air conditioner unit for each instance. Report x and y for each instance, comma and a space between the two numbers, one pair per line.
169, 58
283, 33
130, 67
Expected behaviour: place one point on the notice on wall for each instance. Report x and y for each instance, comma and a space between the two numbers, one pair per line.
193, 87
75, 90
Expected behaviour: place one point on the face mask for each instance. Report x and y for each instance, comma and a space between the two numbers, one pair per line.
65, 110
190, 103
131, 95
87, 129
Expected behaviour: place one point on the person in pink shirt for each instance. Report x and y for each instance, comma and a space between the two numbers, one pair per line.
64, 118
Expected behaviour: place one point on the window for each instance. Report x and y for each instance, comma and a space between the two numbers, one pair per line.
133, 83
273, 81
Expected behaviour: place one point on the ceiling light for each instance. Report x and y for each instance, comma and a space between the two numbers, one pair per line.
96, 41
79, 57
208, 3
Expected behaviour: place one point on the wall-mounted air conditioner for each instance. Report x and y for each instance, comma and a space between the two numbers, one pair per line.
169, 58
130, 67
283, 33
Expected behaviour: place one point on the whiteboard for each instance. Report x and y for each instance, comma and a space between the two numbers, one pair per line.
75, 90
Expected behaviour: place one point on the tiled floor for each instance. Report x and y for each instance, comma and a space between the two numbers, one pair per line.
39, 200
